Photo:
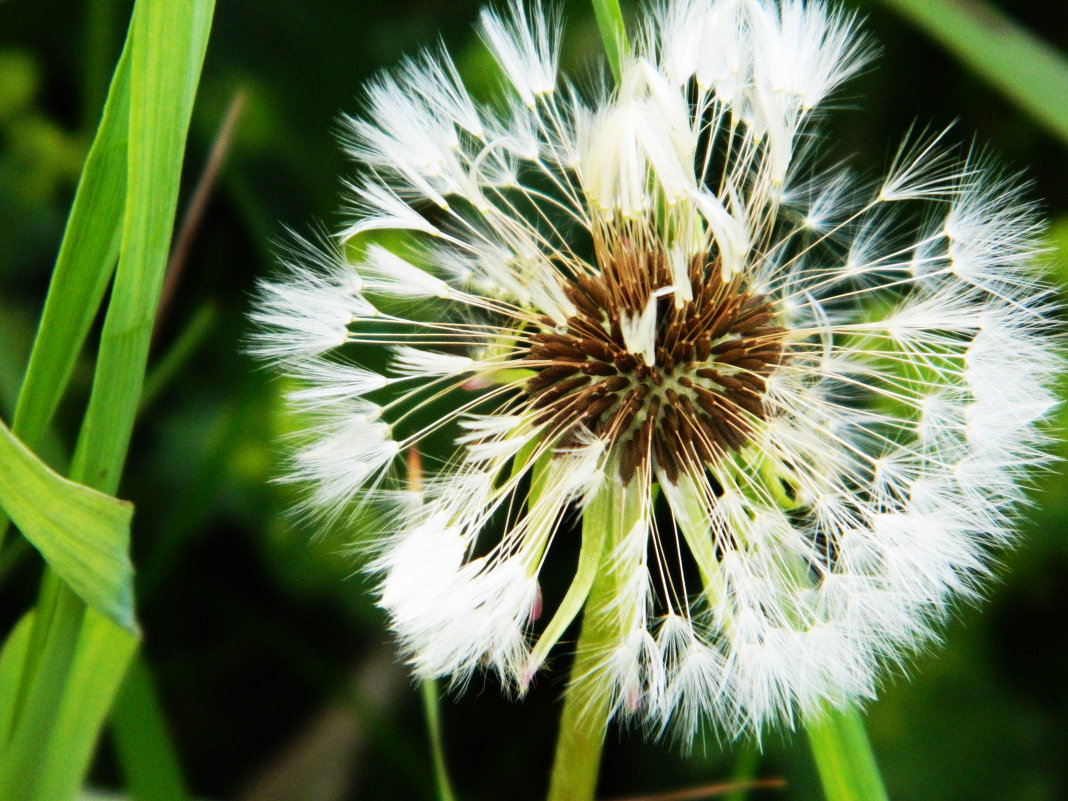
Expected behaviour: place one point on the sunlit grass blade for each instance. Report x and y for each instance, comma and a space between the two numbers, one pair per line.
1029, 71
84, 535
83, 268
104, 650
168, 52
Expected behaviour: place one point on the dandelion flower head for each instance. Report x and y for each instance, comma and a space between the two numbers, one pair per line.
800, 404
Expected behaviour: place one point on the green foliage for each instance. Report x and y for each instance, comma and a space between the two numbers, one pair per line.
74, 660
613, 33
1025, 68
844, 758
84, 535
83, 268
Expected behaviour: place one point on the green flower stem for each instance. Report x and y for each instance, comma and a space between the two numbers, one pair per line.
577, 761
746, 762
613, 34
431, 706
844, 757
586, 713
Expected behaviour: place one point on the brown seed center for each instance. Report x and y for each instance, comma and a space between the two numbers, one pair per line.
698, 399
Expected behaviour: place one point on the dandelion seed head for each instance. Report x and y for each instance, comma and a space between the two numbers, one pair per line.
816, 401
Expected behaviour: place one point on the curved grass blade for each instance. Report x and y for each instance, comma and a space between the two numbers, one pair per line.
84, 535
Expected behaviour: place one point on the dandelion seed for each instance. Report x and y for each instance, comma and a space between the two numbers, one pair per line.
817, 398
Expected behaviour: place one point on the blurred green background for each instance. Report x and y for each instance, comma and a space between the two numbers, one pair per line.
276, 674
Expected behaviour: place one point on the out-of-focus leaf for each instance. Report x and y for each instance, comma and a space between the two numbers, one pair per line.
18, 81
145, 752
1029, 71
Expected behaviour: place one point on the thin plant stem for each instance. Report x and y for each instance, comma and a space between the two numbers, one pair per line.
724, 790
198, 205
844, 757
431, 707
577, 762
585, 716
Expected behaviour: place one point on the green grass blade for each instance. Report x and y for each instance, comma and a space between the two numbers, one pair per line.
104, 650
12, 660
169, 44
53, 645
844, 758
145, 752
1033, 74
83, 267
613, 34
77, 658
83, 534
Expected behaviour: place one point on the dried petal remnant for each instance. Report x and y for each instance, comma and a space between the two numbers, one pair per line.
697, 397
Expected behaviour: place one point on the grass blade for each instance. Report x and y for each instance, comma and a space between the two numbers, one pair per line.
104, 650
53, 644
1030, 72
77, 658
83, 268
170, 40
613, 34
83, 534
144, 748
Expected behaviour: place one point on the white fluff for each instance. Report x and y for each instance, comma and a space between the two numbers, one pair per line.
893, 436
